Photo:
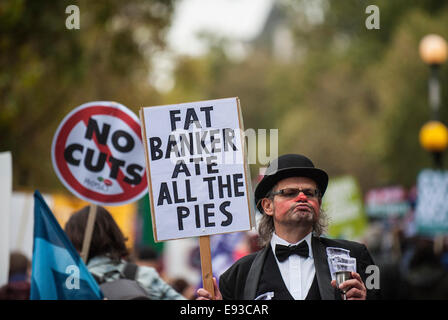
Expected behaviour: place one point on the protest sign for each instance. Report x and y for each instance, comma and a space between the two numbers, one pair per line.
97, 153
197, 171
387, 202
21, 222
343, 205
431, 212
5, 213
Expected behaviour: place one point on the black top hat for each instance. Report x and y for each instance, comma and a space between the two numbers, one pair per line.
286, 166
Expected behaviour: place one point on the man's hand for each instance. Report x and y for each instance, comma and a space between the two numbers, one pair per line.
205, 295
354, 288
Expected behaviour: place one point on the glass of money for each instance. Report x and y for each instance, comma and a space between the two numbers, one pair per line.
342, 276
343, 268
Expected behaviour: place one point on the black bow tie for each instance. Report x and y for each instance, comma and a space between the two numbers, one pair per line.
283, 252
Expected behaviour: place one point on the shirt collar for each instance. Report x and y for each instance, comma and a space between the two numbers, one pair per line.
277, 240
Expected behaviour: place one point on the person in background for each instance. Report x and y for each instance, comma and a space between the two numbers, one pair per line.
184, 288
146, 255
108, 253
18, 287
423, 275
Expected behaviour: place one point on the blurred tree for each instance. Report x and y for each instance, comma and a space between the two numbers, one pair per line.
401, 84
366, 87
47, 70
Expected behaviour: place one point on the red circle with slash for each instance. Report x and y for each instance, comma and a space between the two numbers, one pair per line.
98, 154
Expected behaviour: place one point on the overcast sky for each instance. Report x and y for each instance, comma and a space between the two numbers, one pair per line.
238, 19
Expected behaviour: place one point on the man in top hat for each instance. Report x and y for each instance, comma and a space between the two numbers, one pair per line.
293, 262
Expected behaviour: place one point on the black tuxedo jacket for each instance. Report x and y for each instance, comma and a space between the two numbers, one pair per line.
240, 281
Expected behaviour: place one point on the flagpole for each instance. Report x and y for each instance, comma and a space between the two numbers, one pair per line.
88, 232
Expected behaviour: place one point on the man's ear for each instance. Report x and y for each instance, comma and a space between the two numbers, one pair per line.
268, 206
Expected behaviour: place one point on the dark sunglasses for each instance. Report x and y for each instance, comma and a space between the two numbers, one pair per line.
294, 192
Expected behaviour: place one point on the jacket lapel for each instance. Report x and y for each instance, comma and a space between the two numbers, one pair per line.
327, 292
253, 277
322, 270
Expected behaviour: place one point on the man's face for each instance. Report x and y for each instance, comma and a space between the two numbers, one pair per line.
293, 210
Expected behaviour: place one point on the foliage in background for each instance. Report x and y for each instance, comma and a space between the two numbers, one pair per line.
352, 99
47, 70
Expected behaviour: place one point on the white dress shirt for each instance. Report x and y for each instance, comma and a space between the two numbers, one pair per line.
297, 272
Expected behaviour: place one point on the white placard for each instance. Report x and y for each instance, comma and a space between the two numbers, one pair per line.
5, 213
98, 155
431, 212
197, 170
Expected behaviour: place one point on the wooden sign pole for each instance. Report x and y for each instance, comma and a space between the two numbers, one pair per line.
206, 264
88, 232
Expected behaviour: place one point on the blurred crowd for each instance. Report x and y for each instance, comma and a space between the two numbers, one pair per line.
412, 266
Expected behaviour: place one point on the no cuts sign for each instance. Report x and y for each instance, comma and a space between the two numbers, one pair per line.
97, 153
199, 182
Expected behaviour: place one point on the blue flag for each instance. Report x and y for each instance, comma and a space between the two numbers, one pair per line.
58, 272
